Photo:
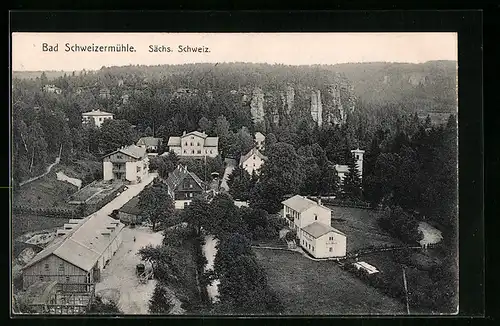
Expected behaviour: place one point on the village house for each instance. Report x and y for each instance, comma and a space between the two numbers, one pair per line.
97, 116
183, 186
129, 163
194, 145
104, 93
312, 223
259, 140
52, 89
151, 144
82, 248
343, 169
252, 161
130, 212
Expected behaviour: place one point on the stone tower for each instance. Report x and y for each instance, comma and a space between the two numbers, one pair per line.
358, 156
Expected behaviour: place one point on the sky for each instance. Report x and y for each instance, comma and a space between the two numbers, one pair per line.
283, 48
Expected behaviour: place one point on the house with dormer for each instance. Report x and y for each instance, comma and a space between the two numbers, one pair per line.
195, 144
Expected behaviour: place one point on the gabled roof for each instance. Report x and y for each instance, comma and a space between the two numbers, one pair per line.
253, 151
149, 141
318, 229
259, 135
85, 244
196, 133
211, 141
96, 113
131, 150
174, 141
301, 204
178, 175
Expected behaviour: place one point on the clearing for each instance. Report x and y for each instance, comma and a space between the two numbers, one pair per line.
119, 281
309, 287
431, 234
360, 226
74, 181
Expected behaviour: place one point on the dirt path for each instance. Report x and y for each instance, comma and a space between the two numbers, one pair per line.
74, 181
119, 280
49, 168
230, 165
210, 250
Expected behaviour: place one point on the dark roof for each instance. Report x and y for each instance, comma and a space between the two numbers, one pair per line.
317, 229
131, 207
180, 173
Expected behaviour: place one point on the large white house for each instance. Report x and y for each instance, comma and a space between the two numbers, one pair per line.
97, 116
312, 223
252, 161
343, 169
128, 163
194, 144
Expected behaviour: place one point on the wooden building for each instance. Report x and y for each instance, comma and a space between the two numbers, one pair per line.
78, 254
129, 163
130, 212
183, 186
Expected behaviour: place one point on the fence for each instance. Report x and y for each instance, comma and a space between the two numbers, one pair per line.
49, 212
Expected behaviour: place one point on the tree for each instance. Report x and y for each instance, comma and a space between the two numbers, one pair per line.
115, 134
204, 124
225, 217
352, 180
228, 250
196, 214
282, 174
240, 183
148, 132
100, 307
243, 142
160, 302
156, 204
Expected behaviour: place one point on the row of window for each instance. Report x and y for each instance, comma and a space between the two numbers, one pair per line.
41, 278
191, 144
198, 151
307, 245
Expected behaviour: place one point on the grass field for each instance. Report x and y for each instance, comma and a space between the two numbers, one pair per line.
360, 226
321, 288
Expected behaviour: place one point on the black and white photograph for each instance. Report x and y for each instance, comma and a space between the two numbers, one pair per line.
240, 174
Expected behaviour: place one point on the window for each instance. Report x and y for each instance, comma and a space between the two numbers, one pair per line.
61, 267
190, 185
190, 194
331, 249
184, 151
315, 217
100, 119
41, 278
198, 144
199, 151
119, 157
313, 248
192, 152
192, 138
191, 144
67, 279
186, 143
138, 169
254, 165
210, 151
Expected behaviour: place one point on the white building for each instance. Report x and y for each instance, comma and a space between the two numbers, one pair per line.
259, 140
343, 169
150, 143
252, 161
129, 163
52, 89
97, 116
194, 144
312, 223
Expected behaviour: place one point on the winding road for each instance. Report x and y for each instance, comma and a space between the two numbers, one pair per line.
49, 168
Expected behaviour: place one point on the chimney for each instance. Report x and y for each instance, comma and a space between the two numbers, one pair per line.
319, 200
183, 133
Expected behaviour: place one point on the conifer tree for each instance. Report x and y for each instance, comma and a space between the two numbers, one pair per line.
160, 302
352, 180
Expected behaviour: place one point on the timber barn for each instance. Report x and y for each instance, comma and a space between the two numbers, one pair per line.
78, 254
